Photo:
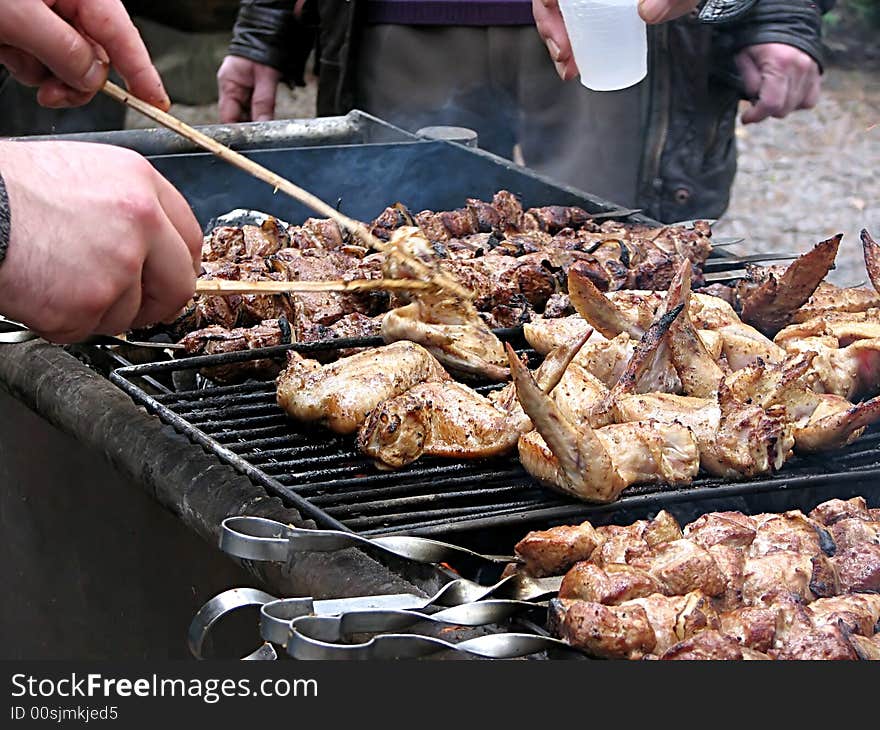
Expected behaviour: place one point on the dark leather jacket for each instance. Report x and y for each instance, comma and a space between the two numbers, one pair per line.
688, 144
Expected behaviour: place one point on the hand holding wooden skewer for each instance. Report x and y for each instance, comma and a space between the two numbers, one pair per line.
419, 267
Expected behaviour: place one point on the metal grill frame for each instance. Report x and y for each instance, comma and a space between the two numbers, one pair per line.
536, 504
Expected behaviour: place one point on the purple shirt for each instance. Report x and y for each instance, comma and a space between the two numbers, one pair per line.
449, 12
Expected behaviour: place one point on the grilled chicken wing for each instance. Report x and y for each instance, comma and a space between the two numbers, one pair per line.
830, 298
734, 439
544, 335
597, 465
341, 394
845, 327
698, 370
448, 326
770, 305
849, 372
446, 418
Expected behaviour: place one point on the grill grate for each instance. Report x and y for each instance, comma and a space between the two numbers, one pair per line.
327, 479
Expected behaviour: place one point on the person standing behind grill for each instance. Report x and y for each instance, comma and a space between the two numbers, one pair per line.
665, 145
92, 238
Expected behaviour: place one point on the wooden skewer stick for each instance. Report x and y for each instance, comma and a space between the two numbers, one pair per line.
224, 286
278, 183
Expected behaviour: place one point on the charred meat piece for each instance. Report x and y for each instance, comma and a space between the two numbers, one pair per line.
341, 394
215, 340
770, 304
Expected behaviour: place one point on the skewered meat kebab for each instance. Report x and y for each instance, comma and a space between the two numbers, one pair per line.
756, 586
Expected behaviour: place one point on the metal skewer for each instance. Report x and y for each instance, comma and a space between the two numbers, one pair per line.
279, 183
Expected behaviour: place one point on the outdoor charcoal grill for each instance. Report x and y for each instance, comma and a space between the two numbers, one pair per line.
322, 474
326, 478
300, 475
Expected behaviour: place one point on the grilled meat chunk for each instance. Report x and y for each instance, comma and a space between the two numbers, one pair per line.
751, 626
215, 340
554, 551
609, 632
711, 646
857, 613
858, 568
340, 394
722, 528
790, 531
835, 510
682, 566
767, 576
611, 585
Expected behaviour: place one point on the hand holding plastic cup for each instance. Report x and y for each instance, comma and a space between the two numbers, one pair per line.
609, 41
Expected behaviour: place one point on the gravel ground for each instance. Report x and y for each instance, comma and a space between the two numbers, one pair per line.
814, 174
800, 180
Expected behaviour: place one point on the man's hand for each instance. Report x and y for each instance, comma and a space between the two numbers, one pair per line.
551, 28
247, 90
100, 242
783, 78
66, 48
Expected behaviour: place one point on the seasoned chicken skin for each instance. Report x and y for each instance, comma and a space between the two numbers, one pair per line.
447, 325
446, 418
340, 394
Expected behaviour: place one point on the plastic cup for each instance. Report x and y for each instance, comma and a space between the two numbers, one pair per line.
609, 41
